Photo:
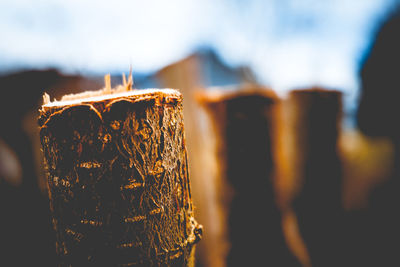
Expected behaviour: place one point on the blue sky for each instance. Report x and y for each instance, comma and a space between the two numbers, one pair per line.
287, 43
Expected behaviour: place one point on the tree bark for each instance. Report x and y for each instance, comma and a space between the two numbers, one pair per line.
118, 180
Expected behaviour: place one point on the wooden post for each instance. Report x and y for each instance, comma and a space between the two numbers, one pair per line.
244, 123
315, 117
117, 176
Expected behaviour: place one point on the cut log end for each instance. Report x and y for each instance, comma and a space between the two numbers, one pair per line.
316, 92
217, 96
118, 92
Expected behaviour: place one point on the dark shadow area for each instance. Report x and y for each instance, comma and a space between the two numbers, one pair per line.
376, 117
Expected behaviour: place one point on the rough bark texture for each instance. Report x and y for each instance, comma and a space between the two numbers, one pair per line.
118, 181
244, 124
315, 127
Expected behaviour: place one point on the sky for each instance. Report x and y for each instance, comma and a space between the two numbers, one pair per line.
288, 43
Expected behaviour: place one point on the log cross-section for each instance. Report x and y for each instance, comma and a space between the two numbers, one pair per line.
118, 181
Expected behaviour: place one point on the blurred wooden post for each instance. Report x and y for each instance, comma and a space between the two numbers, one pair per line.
315, 117
244, 123
118, 179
